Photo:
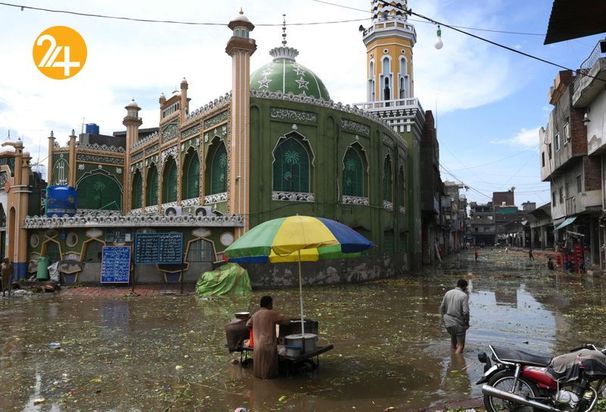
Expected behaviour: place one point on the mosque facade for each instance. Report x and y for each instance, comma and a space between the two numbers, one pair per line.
275, 146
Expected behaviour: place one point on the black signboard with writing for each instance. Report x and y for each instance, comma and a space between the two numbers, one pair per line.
159, 248
115, 264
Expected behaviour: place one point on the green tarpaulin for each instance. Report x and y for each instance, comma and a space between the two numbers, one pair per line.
229, 279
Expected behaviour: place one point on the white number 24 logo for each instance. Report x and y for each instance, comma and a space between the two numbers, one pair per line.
50, 57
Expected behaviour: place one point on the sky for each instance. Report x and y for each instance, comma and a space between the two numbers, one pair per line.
488, 102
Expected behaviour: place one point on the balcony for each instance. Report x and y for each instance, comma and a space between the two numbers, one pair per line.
587, 84
397, 113
581, 202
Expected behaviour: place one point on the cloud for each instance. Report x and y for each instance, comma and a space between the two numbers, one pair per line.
141, 60
527, 138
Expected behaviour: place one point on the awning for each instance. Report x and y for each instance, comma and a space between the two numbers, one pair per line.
566, 222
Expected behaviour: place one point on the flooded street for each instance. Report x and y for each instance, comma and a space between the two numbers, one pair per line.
168, 352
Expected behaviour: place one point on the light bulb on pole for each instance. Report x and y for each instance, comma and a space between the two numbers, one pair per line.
439, 43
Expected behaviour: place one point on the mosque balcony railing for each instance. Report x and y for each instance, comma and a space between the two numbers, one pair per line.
135, 221
389, 25
215, 198
384, 105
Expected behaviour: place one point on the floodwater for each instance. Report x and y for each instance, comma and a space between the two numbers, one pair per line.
168, 352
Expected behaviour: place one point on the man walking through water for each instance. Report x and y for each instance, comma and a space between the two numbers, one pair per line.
455, 315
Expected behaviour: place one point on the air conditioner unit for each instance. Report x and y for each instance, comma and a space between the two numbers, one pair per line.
173, 211
204, 211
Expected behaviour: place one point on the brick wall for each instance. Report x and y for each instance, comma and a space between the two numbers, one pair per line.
592, 172
578, 132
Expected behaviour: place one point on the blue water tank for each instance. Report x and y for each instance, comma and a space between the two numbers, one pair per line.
60, 201
92, 128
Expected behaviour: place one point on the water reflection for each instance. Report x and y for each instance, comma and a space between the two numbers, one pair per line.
390, 350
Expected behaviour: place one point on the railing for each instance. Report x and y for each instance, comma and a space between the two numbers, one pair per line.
411, 102
593, 57
389, 24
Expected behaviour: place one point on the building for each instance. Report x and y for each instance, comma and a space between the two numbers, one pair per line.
541, 227
454, 217
276, 145
482, 227
574, 177
431, 190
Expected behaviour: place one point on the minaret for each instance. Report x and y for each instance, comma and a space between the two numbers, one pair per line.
71, 176
184, 100
132, 121
51, 151
389, 42
240, 47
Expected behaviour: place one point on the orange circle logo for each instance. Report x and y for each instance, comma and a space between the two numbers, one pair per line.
59, 52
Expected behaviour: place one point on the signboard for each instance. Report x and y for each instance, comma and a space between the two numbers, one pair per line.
115, 264
159, 248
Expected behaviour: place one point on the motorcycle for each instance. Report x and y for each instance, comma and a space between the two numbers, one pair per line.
524, 381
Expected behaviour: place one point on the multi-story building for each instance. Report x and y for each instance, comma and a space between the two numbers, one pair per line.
589, 103
482, 227
574, 177
431, 190
454, 216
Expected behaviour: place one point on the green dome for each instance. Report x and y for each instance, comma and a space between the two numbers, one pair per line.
285, 75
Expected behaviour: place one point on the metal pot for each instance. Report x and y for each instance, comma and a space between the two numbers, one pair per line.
296, 341
242, 315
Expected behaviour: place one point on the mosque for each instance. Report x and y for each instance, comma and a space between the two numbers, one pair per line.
276, 145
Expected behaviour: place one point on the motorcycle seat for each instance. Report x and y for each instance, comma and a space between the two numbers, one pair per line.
521, 356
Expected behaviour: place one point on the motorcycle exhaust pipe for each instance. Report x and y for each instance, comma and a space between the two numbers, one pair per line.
512, 397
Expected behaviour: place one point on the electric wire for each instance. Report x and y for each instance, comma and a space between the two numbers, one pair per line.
521, 33
463, 183
194, 23
181, 22
494, 43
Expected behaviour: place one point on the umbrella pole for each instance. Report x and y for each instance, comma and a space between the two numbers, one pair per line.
301, 301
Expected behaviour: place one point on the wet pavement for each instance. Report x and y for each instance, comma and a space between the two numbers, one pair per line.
99, 349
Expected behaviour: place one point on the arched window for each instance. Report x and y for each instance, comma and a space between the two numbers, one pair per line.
403, 79
99, 189
386, 76
386, 89
354, 172
385, 66
216, 174
291, 166
137, 191
151, 196
191, 175
387, 179
371, 82
169, 181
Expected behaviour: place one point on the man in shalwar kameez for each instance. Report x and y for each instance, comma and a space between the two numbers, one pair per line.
265, 353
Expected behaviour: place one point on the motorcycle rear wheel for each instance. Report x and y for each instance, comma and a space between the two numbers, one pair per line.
504, 381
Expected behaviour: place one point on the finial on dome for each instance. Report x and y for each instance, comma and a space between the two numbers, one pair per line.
241, 12
284, 30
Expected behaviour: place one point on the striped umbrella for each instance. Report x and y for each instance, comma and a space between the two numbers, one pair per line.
297, 239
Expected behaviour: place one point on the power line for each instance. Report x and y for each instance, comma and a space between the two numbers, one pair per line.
181, 22
494, 43
463, 183
426, 22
